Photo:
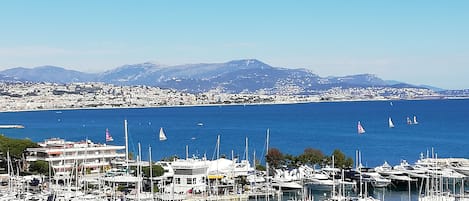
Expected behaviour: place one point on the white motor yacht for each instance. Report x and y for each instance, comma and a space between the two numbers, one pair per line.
395, 175
405, 167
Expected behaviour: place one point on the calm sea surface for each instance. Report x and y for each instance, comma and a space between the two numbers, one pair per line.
443, 125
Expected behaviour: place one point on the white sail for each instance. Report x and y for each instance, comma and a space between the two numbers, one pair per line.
409, 121
391, 125
108, 136
415, 120
361, 130
162, 135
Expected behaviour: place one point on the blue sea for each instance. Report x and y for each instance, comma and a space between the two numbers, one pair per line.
443, 126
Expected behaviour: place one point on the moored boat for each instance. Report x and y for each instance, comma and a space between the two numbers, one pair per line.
11, 126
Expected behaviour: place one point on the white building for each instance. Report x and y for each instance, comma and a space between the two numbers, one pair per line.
190, 175
84, 155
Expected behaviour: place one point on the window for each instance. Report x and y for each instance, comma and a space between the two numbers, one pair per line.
178, 181
189, 180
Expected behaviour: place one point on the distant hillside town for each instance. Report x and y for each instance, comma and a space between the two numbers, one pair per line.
37, 96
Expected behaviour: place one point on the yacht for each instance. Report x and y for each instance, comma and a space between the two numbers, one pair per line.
441, 167
394, 175
320, 181
11, 126
287, 179
285, 184
460, 168
405, 167
369, 175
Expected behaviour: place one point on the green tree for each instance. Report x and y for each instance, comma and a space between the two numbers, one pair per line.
291, 161
348, 162
40, 166
340, 160
157, 171
170, 158
260, 167
311, 156
16, 147
275, 158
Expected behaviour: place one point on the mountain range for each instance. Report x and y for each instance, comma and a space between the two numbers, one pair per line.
238, 76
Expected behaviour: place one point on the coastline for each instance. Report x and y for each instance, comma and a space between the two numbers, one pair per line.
53, 97
234, 104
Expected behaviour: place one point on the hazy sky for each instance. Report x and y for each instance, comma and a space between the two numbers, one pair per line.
420, 42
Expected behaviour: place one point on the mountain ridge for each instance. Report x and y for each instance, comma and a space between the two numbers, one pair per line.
236, 76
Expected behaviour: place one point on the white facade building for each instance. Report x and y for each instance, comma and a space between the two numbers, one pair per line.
84, 155
190, 175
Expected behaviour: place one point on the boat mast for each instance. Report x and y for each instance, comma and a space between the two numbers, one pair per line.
247, 154
218, 147
10, 169
358, 167
139, 171
254, 159
151, 173
333, 177
187, 152
126, 146
218, 157
267, 165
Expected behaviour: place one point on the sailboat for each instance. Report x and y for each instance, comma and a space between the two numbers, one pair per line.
162, 135
391, 125
409, 121
361, 130
415, 120
108, 136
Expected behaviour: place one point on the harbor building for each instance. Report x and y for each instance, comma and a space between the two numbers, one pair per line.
84, 155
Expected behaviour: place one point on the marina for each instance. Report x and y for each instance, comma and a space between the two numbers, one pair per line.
83, 169
191, 178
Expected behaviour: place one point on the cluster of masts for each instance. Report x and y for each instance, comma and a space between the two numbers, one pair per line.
191, 178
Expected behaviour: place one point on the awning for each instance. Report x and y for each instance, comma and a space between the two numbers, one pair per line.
215, 176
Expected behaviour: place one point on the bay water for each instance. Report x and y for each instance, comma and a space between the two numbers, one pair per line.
442, 125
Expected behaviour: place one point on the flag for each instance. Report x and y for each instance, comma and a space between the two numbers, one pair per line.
108, 136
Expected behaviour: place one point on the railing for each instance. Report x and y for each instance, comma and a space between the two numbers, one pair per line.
81, 157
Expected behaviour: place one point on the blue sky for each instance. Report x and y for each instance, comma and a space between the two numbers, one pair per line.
420, 42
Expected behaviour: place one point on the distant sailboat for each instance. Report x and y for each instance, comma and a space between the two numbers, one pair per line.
391, 125
162, 135
409, 121
415, 120
361, 130
108, 136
